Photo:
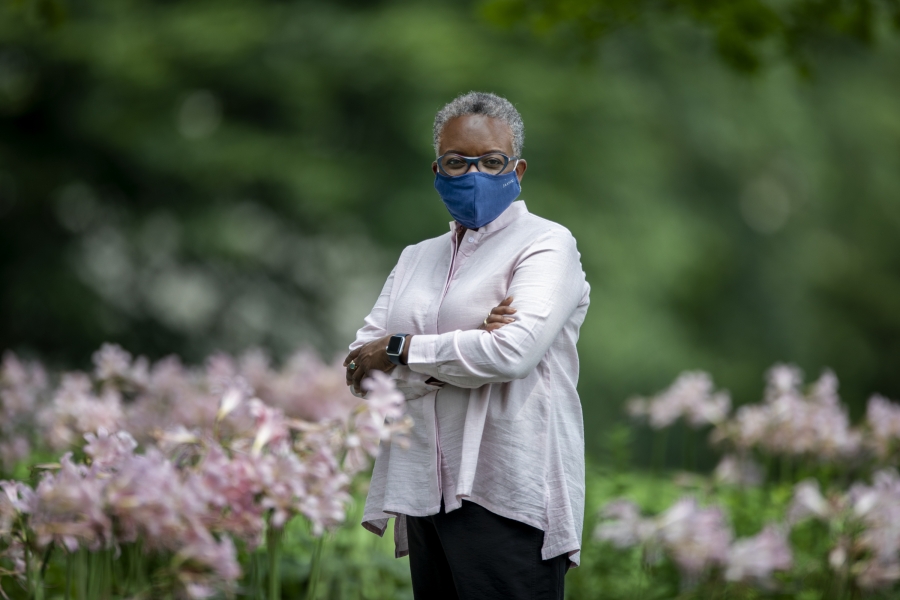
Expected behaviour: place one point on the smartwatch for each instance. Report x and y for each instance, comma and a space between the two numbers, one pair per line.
395, 347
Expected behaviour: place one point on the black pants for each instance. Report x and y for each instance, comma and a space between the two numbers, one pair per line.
473, 554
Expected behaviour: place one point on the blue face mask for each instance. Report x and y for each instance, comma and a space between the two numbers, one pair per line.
475, 199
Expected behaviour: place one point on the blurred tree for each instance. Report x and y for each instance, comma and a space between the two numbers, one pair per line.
746, 33
186, 176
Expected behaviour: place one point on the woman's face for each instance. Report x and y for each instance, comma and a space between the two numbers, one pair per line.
477, 135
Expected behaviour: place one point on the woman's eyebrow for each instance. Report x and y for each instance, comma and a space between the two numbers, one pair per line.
451, 151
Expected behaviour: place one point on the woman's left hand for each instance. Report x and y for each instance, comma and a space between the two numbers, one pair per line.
370, 357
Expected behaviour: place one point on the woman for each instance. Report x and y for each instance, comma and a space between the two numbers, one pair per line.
489, 493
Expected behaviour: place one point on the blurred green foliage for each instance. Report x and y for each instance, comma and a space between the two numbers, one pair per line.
747, 34
179, 177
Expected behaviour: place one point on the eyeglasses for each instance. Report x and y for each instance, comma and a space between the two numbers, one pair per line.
453, 165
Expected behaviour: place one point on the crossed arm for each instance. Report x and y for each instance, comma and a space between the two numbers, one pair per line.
372, 356
548, 286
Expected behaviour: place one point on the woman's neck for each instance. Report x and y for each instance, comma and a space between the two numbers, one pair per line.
460, 232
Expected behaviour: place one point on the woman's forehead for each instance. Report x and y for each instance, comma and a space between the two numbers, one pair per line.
475, 135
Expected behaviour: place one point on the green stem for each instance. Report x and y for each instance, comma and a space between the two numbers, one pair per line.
68, 589
82, 583
273, 545
259, 591
129, 560
39, 580
110, 572
314, 569
28, 573
140, 565
94, 576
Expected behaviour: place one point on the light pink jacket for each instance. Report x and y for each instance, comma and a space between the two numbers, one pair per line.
506, 430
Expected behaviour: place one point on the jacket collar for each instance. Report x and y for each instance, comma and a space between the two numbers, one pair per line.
513, 212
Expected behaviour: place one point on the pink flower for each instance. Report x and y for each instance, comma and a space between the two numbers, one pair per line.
877, 574
231, 489
306, 388
16, 499
382, 396
808, 502
758, 557
75, 410
270, 425
696, 538
148, 499
106, 450
691, 397
878, 508
171, 439
219, 557
69, 508
21, 385
22, 390
15, 553
231, 399
788, 423
205, 565
783, 380
174, 397
623, 525
326, 498
883, 419
18, 496
380, 418
114, 366
825, 389
733, 470
637, 407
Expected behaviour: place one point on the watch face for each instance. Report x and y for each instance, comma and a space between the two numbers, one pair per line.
395, 344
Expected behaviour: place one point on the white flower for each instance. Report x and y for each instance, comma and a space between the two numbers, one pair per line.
696, 538
733, 470
757, 557
808, 502
232, 397
623, 526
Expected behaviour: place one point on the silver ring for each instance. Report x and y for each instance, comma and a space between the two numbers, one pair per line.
485, 320
352, 365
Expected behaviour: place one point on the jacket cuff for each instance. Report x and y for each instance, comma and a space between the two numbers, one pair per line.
422, 353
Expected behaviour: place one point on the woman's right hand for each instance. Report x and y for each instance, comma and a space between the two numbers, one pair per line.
499, 316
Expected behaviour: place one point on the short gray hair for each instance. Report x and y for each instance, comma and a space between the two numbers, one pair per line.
481, 103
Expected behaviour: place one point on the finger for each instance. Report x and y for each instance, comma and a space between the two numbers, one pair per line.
357, 378
502, 310
353, 354
348, 375
506, 301
499, 319
494, 326
363, 366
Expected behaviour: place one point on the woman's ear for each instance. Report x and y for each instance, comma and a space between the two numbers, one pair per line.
520, 169
434, 168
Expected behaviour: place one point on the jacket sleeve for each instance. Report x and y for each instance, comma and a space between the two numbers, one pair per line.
547, 285
411, 384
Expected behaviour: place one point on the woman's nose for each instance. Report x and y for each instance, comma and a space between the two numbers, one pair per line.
472, 169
